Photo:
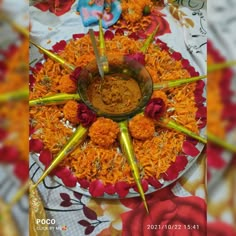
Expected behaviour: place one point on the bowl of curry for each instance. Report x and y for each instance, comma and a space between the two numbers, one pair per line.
123, 92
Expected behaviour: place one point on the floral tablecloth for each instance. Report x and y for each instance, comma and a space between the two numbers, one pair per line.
179, 209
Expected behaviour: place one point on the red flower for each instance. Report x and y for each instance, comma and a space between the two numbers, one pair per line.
21, 170
166, 210
108, 35
35, 145
190, 149
139, 57
85, 115
155, 108
75, 74
58, 7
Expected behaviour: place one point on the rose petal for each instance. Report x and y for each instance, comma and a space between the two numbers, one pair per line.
171, 174
32, 81
189, 149
181, 162
21, 170
83, 183
201, 112
77, 36
96, 188
9, 154
45, 157
59, 46
154, 182
108, 35
62, 172
35, 145
70, 181
110, 189
119, 32
122, 188
3, 134
144, 185
185, 63
133, 36
176, 55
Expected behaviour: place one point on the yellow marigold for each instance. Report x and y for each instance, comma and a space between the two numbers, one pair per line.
160, 94
70, 111
103, 132
67, 85
141, 127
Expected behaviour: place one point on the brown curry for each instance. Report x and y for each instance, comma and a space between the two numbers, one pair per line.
115, 95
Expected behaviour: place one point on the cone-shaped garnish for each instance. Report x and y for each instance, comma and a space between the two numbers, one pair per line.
216, 140
60, 98
177, 83
36, 213
20, 29
17, 197
17, 95
149, 40
219, 66
127, 149
54, 56
102, 48
173, 125
77, 138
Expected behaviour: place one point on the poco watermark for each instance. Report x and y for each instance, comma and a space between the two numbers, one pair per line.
49, 224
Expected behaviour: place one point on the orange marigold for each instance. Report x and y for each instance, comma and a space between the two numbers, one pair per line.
70, 111
103, 132
67, 85
141, 127
160, 94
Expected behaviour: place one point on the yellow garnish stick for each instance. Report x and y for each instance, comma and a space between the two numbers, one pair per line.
216, 140
173, 125
54, 56
127, 149
102, 47
60, 98
149, 40
15, 95
219, 66
77, 138
25, 32
177, 83
19, 194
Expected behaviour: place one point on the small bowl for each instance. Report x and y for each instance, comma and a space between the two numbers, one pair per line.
117, 65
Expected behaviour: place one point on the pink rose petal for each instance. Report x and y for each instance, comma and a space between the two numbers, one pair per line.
108, 35
180, 162
35, 145
59, 46
77, 36
185, 63
21, 170
45, 157
70, 181
9, 154
144, 185
170, 174
110, 189
154, 182
122, 188
176, 55
62, 172
96, 188
189, 149
119, 32
83, 183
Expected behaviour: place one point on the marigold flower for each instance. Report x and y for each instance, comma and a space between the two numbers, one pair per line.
141, 127
67, 85
104, 132
70, 111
